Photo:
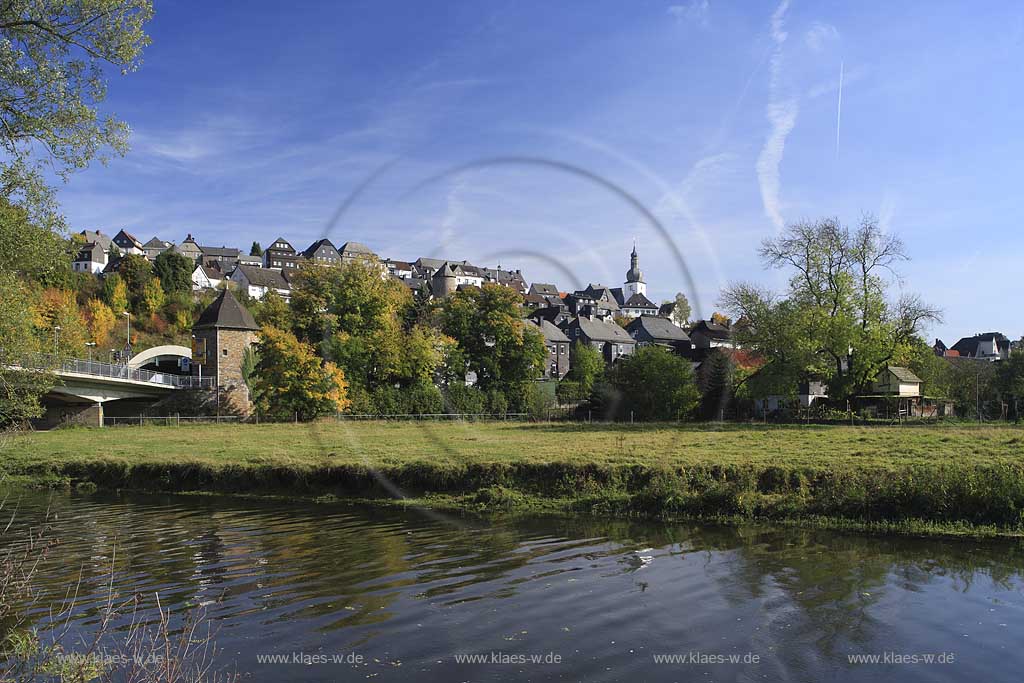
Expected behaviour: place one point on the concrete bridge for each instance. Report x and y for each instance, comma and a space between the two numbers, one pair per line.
87, 388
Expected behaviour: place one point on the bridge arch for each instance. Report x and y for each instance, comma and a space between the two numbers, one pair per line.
160, 356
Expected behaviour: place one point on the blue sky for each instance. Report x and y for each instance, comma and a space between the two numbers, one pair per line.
723, 119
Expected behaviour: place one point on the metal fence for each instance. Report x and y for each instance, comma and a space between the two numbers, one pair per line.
95, 368
181, 420
469, 417
168, 420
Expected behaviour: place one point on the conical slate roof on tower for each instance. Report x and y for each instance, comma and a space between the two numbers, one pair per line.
227, 313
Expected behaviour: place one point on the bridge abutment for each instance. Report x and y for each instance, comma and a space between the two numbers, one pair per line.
73, 414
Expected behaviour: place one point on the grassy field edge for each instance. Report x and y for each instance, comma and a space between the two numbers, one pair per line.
943, 497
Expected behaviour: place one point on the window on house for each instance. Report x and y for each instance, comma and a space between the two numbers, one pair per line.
224, 352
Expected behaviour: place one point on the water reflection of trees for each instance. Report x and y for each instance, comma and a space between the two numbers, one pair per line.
340, 567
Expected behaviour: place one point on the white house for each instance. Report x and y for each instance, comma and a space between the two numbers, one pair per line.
127, 243
204, 277
256, 282
91, 258
707, 334
400, 269
897, 381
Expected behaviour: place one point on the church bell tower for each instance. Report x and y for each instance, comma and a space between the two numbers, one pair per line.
634, 283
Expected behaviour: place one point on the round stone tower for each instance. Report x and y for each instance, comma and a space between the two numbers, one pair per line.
222, 335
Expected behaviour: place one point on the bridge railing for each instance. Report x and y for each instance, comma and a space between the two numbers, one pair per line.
95, 368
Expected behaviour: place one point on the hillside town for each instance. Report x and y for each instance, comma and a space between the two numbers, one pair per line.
612, 321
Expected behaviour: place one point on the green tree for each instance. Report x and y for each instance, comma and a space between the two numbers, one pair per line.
30, 256
136, 271
273, 310
291, 380
52, 59
974, 388
935, 372
357, 319
256, 249
654, 384
498, 345
174, 271
836, 321
681, 311
20, 391
152, 296
1010, 382
716, 380
115, 293
586, 365
101, 321
57, 308
27, 250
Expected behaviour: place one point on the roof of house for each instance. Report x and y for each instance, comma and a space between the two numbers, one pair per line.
210, 272
638, 300
90, 251
355, 248
468, 269
398, 265
903, 374
549, 313
113, 264
551, 333
130, 237
157, 243
968, 346
711, 329
600, 330
543, 289
667, 309
505, 277
659, 329
280, 240
605, 296
414, 283
532, 299
226, 312
315, 247
97, 237
187, 244
223, 252
263, 277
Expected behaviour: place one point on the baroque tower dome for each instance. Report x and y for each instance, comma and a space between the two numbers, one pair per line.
634, 274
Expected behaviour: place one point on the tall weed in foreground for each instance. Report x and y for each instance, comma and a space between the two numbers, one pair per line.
167, 649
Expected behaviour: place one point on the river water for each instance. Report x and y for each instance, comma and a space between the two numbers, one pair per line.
353, 593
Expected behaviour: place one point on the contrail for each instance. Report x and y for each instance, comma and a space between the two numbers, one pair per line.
839, 107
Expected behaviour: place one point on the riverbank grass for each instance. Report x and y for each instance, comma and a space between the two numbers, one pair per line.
932, 477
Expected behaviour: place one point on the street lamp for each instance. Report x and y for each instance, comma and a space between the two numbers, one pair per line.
199, 366
128, 345
56, 338
90, 345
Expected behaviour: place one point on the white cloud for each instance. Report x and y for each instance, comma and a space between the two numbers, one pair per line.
782, 113
782, 116
819, 35
694, 12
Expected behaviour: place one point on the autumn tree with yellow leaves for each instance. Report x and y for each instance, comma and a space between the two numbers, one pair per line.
290, 379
